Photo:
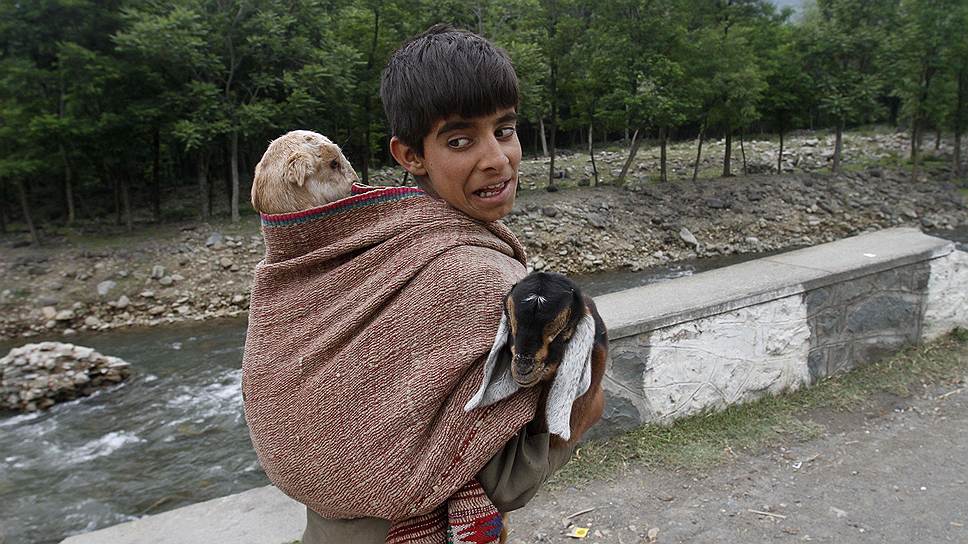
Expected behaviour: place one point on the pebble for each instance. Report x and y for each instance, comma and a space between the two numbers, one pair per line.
105, 287
64, 315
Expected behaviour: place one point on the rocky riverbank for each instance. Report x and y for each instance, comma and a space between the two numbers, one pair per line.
202, 271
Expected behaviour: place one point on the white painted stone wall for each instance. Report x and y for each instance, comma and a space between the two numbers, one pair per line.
739, 356
946, 306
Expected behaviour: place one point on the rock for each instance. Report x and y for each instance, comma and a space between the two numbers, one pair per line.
64, 315
688, 237
157, 272
549, 211
225, 262
214, 239
166, 281
716, 203
830, 207
238, 299
49, 312
92, 321
36, 376
105, 287
122, 302
177, 277
157, 310
909, 213
596, 220
69, 332
148, 294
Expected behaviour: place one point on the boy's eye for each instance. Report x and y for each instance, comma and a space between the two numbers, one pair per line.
505, 132
458, 143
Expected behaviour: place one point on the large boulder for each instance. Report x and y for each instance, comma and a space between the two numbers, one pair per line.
37, 376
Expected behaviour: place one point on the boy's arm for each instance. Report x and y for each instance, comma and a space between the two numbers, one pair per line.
513, 476
515, 473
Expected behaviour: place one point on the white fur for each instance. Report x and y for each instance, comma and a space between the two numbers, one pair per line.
572, 380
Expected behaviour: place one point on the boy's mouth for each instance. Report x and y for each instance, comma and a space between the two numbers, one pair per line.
494, 190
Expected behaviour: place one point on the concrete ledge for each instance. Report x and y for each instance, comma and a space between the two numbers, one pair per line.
258, 516
663, 304
690, 345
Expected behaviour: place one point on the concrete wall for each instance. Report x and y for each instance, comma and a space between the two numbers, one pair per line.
776, 324
693, 344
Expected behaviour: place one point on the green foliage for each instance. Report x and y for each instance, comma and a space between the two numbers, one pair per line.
141, 91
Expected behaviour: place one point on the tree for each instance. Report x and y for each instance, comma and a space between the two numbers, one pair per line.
844, 40
926, 32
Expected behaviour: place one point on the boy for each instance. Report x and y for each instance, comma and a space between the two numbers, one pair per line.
427, 270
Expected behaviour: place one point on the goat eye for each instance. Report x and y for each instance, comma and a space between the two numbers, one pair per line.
334, 164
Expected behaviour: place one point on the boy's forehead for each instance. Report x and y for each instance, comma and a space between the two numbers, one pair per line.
456, 121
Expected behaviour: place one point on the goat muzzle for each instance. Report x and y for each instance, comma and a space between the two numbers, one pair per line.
526, 370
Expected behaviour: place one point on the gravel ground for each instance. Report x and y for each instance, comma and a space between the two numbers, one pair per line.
894, 473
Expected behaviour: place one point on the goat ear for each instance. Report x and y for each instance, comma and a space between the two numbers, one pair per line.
497, 383
573, 378
299, 168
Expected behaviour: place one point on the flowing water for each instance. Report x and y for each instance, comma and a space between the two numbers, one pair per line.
172, 435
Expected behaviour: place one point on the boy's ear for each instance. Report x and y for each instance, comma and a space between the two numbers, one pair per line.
408, 157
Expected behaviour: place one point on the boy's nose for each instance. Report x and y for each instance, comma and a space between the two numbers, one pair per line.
494, 156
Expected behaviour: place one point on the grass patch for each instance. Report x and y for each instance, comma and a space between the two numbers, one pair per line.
706, 440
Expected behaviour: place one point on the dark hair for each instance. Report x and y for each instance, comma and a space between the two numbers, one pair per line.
442, 72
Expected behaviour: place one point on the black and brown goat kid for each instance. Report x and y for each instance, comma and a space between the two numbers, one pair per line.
556, 337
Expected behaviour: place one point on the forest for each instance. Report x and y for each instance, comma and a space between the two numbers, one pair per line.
109, 107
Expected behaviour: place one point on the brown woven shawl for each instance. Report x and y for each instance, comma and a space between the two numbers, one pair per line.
369, 324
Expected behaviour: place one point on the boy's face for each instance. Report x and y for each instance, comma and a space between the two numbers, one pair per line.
471, 163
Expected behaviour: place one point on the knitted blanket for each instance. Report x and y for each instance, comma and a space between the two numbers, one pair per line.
370, 320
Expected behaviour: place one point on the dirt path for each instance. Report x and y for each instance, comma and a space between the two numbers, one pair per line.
895, 473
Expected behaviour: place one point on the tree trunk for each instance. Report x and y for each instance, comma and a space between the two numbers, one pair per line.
779, 156
204, 194
838, 145
368, 101
156, 176
3, 207
116, 187
695, 168
591, 153
742, 151
554, 126
959, 116
728, 154
235, 175
957, 159
126, 202
544, 139
406, 177
68, 186
632, 151
937, 139
25, 210
915, 147
551, 168
663, 141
